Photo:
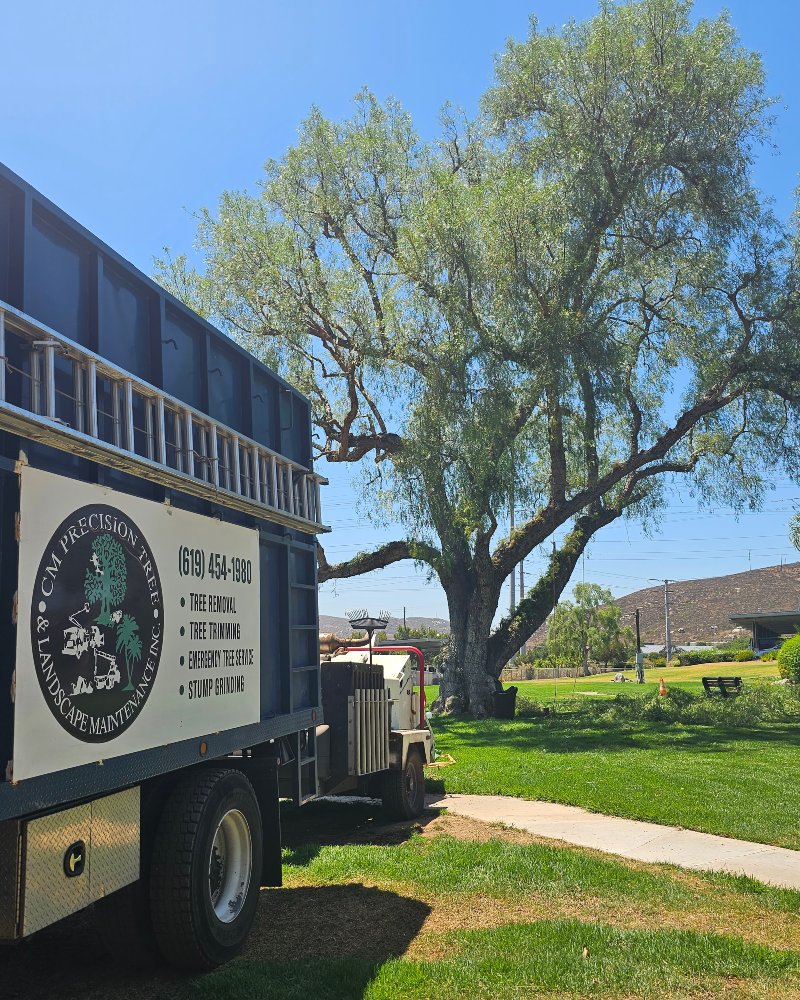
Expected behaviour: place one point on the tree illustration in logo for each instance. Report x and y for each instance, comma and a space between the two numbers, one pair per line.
130, 644
106, 581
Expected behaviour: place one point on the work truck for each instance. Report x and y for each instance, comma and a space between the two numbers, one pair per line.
160, 685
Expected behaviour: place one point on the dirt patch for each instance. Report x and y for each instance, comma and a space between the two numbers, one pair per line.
337, 921
465, 828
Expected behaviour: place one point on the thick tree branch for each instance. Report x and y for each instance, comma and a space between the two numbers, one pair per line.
514, 630
379, 558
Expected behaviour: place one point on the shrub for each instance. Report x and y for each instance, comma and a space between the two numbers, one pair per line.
722, 654
758, 703
402, 632
769, 656
789, 659
658, 662
528, 708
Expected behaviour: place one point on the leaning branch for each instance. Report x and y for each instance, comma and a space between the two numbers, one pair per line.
379, 558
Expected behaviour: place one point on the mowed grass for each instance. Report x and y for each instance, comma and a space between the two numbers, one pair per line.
737, 781
687, 678
504, 918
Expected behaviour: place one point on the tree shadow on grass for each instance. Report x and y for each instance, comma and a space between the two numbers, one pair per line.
324, 941
329, 821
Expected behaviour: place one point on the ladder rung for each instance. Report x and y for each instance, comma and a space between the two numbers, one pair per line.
254, 477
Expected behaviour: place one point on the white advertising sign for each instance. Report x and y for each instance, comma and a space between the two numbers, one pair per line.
138, 625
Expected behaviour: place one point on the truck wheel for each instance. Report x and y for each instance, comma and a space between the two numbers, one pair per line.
403, 792
204, 876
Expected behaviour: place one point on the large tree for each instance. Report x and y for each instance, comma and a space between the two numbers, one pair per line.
578, 298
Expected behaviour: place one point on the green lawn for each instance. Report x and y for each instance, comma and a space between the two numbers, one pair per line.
686, 678
439, 917
719, 778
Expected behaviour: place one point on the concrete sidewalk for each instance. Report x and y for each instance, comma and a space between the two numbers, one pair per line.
631, 838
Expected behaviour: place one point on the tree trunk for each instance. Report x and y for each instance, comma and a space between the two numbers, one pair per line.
466, 685
585, 665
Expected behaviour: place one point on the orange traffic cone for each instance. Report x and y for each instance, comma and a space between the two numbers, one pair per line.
662, 687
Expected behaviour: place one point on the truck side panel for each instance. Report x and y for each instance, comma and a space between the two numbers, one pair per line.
60, 274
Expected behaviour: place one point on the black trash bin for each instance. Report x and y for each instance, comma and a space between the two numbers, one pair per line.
505, 702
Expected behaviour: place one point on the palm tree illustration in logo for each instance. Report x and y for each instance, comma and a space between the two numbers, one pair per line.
107, 581
130, 644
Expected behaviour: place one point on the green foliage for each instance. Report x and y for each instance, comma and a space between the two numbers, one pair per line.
420, 632
589, 628
769, 656
789, 659
106, 582
732, 650
509, 307
758, 704
536, 655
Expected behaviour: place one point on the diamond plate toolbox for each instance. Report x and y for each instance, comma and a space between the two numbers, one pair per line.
69, 859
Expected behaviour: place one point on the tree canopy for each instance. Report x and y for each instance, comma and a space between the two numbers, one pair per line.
577, 297
588, 628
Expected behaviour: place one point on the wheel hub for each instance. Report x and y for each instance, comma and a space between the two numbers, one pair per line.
230, 866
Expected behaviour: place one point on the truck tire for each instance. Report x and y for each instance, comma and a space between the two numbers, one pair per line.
205, 870
403, 791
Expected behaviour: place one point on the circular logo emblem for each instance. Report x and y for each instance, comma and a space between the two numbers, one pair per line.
97, 623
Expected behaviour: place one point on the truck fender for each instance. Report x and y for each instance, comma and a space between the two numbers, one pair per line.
401, 742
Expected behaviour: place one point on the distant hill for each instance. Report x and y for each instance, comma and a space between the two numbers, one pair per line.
700, 610
342, 627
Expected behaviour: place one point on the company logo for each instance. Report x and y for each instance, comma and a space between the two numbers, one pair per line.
97, 623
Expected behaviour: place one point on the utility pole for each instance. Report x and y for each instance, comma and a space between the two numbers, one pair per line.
639, 656
522, 594
512, 597
667, 636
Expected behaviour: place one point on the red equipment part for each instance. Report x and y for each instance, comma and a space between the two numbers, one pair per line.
400, 649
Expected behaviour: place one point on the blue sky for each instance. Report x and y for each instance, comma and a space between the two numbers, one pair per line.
130, 116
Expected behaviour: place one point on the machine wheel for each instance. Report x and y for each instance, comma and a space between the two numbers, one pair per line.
403, 791
205, 872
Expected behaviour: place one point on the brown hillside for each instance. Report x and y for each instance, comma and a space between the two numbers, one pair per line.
700, 610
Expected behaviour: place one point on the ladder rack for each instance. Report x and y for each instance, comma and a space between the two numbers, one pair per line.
67, 397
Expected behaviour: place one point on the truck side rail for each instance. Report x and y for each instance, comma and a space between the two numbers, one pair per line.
53, 390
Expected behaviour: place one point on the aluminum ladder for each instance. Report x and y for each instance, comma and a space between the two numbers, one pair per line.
112, 417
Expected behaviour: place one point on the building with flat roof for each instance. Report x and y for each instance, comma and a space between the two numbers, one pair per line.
768, 628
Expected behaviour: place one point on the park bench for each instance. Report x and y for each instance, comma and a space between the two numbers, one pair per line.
723, 686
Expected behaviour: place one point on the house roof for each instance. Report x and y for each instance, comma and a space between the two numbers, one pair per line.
775, 619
